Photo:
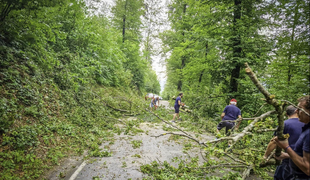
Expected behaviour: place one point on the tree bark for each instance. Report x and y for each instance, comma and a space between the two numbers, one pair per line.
236, 48
206, 54
289, 73
5, 12
270, 100
183, 58
124, 21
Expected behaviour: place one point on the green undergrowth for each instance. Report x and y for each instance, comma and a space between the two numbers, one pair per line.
41, 123
66, 79
191, 170
184, 170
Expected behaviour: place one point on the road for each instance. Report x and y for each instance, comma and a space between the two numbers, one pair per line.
165, 103
126, 160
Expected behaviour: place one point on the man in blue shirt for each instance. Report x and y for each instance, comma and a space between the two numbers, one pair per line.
300, 154
177, 105
293, 127
231, 112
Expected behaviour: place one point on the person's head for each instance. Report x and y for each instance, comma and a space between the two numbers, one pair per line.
304, 103
233, 102
290, 110
157, 98
181, 94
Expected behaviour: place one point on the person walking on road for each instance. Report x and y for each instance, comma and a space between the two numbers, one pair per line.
177, 105
299, 155
293, 127
231, 112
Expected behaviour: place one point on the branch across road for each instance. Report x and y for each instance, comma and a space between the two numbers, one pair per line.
126, 159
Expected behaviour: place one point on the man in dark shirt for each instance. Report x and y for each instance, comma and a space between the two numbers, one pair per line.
293, 127
177, 105
300, 154
231, 112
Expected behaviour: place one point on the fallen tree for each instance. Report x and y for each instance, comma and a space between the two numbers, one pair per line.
270, 99
235, 137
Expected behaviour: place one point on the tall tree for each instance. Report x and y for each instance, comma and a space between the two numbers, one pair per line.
152, 26
290, 34
236, 47
214, 39
176, 40
127, 19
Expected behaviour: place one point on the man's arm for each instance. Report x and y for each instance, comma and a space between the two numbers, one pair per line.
179, 102
222, 115
303, 163
237, 126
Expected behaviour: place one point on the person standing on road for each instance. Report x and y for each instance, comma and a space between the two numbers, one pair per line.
299, 155
152, 103
177, 105
293, 127
231, 112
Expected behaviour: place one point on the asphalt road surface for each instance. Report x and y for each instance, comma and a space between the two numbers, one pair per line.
126, 159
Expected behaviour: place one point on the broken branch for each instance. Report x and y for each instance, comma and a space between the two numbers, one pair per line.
168, 123
226, 165
270, 100
266, 130
236, 160
178, 135
246, 172
121, 110
260, 109
296, 107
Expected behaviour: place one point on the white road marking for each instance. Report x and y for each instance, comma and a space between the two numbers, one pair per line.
74, 175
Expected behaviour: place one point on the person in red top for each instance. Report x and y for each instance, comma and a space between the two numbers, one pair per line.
231, 112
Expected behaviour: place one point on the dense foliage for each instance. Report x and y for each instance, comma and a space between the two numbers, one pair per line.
60, 70
68, 72
210, 41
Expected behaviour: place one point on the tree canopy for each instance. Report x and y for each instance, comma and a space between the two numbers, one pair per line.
209, 42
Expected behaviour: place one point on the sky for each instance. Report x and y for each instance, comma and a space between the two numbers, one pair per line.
158, 62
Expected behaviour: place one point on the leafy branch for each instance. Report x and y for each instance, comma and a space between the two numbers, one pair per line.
270, 99
169, 123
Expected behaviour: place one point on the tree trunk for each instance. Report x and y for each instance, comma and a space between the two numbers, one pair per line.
183, 58
206, 54
289, 73
179, 85
124, 22
236, 48
5, 12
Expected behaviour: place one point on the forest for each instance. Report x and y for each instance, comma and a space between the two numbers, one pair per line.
70, 70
